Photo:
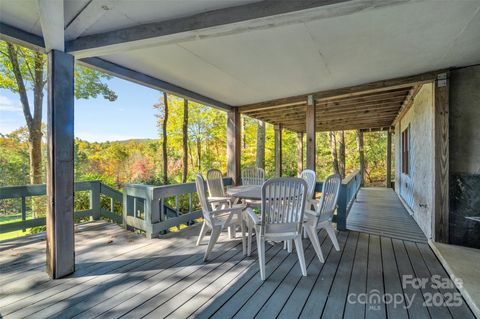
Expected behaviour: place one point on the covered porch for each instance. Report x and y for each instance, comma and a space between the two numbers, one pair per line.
234, 56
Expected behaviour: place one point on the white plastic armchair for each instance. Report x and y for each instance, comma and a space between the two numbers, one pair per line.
282, 216
217, 219
321, 217
311, 179
218, 198
253, 176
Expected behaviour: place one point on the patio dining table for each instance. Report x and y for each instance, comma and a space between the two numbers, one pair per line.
247, 192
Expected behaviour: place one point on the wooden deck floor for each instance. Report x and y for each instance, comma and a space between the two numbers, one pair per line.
121, 274
378, 211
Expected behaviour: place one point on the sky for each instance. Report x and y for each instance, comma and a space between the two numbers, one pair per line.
97, 120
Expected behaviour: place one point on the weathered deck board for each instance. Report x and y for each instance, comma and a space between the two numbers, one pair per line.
378, 211
133, 277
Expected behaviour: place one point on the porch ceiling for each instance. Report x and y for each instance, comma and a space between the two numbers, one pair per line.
240, 52
376, 109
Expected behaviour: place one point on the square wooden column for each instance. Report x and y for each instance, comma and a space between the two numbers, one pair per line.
389, 159
278, 150
311, 133
441, 158
233, 145
60, 114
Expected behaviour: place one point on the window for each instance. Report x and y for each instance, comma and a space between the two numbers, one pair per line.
405, 150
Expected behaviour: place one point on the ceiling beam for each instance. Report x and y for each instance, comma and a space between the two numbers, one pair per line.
146, 80
20, 37
372, 87
231, 20
90, 14
52, 23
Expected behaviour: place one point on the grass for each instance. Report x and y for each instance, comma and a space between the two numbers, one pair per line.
6, 219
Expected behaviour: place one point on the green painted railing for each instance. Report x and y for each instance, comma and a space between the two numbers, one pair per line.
348, 193
146, 207
96, 190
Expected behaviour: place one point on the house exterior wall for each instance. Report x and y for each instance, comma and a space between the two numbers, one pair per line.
416, 188
464, 156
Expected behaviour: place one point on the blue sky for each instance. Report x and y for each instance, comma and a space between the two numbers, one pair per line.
130, 116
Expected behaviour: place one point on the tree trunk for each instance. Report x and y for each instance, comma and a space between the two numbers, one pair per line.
199, 153
34, 123
341, 153
333, 150
361, 155
260, 160
185, 140
244, 131
164, 144
299, 153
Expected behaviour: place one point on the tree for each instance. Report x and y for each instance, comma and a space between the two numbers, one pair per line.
163, 122
260, 157
185, 140
333, 151
341, 153
23, 69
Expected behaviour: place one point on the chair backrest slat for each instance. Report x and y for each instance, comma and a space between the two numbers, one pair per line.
253, 176
215, 183
283, 205
310, 177
330, 192
206, 210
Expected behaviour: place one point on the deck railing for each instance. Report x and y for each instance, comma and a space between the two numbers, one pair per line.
96, 210
152, 209
155, 209
348, 193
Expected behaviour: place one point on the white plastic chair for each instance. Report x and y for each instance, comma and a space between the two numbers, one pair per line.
253, 176
218, 198
322, 216
311, 179
283, 206
217, 219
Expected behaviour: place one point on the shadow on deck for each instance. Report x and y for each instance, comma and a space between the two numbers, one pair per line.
122, 274
379, 211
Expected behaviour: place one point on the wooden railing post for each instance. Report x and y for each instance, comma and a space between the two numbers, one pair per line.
24, 212
95, 204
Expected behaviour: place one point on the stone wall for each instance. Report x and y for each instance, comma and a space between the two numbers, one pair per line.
416, 188
465, 156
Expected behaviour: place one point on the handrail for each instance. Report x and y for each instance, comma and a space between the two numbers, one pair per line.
145, 207
348, 193
95, 210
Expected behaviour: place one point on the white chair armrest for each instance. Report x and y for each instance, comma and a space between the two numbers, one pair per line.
311, 213
215, 199
232, 210
251, 214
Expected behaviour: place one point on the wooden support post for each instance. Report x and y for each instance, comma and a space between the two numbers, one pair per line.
60, 224
361, 155
299, 153
233, 145
311, 133
441, 158
278, 150
389, 159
